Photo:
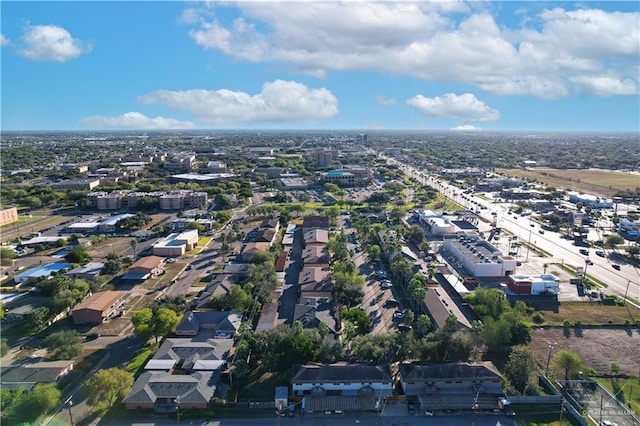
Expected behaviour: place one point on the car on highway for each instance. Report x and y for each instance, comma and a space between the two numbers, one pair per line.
541, 231
616, 266
600, 253
588, 261
584, 251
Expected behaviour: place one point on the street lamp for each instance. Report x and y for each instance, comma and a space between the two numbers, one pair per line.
550, 346
177, 403
69, 405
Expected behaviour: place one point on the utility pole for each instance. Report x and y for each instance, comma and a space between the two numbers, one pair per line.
69, 404
474, 408
550, 346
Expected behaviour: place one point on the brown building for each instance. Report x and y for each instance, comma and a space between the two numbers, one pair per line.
8, 216
98, 307
147, 266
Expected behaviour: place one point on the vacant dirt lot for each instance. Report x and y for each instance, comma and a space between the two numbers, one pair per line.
598, 347
602, 182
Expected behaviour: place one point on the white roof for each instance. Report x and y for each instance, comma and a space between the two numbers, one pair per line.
208, 365
160, 364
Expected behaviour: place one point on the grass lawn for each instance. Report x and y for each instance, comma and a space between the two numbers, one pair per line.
141, 358
626, 390
584, 312
259, 383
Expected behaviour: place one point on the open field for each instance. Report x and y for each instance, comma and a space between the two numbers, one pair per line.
598, 347
595, 181
591, 314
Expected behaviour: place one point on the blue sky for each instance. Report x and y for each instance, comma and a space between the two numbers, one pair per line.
444, 65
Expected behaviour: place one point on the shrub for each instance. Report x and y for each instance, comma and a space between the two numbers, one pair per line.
537, 318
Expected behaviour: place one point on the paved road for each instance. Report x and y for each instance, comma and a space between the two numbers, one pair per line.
625, 281
322, 420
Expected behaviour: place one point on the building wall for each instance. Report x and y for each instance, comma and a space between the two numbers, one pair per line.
380, 388
461, 385
8, 216
169, 251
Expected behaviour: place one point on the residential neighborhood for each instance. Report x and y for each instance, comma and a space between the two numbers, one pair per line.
378, 286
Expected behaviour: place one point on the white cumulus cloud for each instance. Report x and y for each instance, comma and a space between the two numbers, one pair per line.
4, 41
465, 107
134, 121
384, 100
465, 128
545, 55
278, 102
51, 43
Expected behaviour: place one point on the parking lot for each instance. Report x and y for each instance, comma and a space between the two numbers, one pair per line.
598, 403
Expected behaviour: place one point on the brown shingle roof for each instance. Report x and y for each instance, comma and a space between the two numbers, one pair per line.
100, 301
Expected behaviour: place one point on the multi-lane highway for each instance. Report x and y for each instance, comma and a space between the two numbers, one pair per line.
625, 281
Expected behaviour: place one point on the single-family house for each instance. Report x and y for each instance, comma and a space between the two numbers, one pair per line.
26, 376
144, 268
88, 272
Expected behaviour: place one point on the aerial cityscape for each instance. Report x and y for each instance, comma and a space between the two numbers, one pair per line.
320, 212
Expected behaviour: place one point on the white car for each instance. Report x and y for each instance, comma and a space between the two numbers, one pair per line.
386, 284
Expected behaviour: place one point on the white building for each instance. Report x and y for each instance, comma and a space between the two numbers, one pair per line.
176, 244
590, 200
479, 257
534, 284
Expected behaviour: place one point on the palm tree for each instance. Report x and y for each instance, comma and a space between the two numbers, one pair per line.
134, 244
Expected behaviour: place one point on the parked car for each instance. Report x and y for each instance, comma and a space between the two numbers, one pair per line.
398, 315
405, 327
429, 413
411, 407
386, 284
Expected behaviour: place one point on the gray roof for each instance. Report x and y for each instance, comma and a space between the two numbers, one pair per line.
423, 371
227, 321
27, 375
190, 353
341, 372
193, 388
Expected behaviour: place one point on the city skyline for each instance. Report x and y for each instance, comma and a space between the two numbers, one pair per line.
493, 66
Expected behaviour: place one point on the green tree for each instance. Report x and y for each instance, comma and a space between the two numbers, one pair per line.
148, 323
6, 256
22, 408
106, 387
374, 252
613, 241
66, 344
521, 367
4, 347
77, 255
236, 299
357, 317
568, 361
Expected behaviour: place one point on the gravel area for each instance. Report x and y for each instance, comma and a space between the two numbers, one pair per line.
598, 347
